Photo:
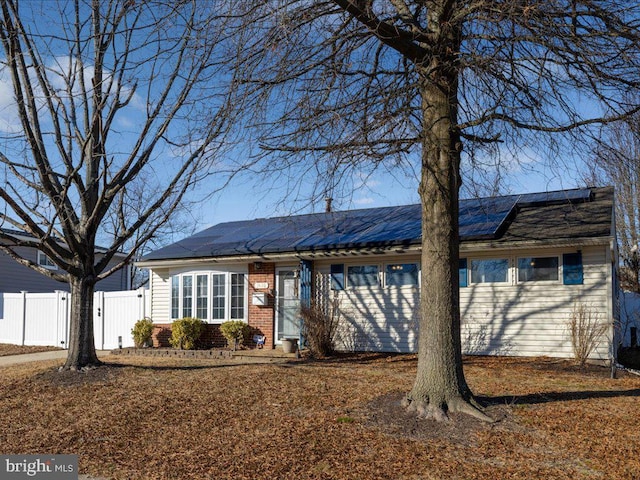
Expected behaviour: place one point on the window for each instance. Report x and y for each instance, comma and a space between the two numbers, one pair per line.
46, 262
572, 270
362, 276
209, 296
491, 270
202, 296
237, 296
337, 277
218, 296
175, 297
401, 274
187, 296
537, 269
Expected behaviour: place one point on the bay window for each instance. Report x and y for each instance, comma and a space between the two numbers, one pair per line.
209, 296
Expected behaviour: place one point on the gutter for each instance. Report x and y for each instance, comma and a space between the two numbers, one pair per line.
465, 247
306, 255
527, 244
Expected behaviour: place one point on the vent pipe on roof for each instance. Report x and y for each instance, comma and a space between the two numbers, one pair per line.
327, 207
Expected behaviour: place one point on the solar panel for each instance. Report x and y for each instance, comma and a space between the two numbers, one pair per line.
366, 227
561, 196
485, 217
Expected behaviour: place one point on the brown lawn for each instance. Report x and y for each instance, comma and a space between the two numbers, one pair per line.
6, 349
146, 418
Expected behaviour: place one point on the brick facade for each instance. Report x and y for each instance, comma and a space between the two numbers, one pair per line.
262, 318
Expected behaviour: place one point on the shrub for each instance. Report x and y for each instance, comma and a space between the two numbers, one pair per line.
585, 331
320, 324
142, 332
186, 332
235, 331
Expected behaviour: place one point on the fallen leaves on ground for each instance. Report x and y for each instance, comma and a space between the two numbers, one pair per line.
7, 349
150, 418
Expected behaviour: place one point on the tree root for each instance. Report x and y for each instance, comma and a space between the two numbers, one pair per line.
439, 413
83, 369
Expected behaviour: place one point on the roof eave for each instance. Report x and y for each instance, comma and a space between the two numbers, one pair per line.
465, 247
528, 244
312, 254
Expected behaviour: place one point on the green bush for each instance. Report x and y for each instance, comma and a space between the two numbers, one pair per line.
142, 332
186, 332
235, 331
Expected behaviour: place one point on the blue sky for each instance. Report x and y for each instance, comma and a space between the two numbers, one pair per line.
243, 200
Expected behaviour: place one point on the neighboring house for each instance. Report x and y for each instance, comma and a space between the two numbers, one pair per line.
17, 278
526, 260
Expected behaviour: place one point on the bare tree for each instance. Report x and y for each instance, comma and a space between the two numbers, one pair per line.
616, 161
107, 96
167, 229
347, 84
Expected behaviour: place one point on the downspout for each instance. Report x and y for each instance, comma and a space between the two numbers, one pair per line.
614, 305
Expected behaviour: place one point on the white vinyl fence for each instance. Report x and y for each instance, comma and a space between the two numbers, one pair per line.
43, 318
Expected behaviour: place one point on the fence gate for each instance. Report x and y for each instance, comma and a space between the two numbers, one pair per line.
43, 318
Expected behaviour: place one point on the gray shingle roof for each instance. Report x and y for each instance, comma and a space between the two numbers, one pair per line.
565, 214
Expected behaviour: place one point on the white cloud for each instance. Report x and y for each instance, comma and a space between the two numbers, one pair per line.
9, 119
364, 201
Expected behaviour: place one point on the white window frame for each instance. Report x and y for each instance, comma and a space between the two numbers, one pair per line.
228, 275
198, 296
348, 276
224, 297
389, 264
45, 261
558, 279
470, 270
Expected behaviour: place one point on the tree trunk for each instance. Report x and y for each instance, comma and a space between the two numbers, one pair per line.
82, 349
440, 386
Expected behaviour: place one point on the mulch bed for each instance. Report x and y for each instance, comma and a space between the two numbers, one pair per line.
179, 418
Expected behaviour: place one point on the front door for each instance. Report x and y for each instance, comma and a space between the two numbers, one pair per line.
287, 305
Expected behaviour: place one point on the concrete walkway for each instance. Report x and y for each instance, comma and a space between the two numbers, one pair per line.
9, 360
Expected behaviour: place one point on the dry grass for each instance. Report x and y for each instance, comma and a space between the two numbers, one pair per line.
145, 418
6, 349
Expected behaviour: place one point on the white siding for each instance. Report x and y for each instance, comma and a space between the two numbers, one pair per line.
520, 319
532, 319
378, 318
160, 295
